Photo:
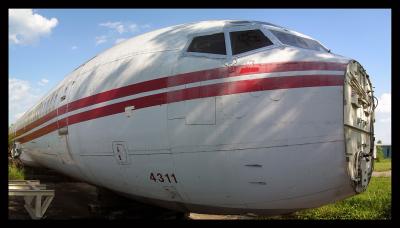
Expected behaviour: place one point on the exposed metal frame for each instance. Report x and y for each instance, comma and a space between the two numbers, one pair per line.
33, 193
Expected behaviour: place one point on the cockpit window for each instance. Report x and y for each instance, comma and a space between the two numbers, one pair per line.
213, 44
298, 41
243, 41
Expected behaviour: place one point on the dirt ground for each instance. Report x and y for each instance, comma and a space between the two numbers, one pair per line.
72, 200
382, 174
79, 200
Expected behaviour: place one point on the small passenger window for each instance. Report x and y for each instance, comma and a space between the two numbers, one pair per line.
243, 41
213, 44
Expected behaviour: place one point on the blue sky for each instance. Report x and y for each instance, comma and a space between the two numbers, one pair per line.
47, 44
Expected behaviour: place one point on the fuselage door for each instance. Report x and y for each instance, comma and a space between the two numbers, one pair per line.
62, 124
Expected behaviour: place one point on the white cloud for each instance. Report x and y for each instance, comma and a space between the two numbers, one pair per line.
119, 40
117, 26
146, 26
383, 117
121, 27
133, 28
18, 88
101, 39
17, 116
386, 120
22, 96
385, 103
383, 129
26, 26
43, 82
74, 47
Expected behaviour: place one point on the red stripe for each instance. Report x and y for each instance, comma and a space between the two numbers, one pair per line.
194, 93
36, 134
36, 123
182, 79
199, 76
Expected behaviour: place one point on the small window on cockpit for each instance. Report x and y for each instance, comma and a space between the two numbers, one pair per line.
244, 41
212, 44
298, 41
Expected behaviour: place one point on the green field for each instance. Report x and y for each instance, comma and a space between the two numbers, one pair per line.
375, 203
383, 165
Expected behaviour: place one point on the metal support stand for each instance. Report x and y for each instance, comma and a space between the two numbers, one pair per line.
33, 193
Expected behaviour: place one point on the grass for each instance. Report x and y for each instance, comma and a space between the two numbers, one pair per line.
15, 173
375, 203
383, 165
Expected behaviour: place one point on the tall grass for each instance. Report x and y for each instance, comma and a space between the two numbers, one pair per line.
15, 173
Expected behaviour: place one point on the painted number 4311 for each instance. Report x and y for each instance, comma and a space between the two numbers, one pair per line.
163, 178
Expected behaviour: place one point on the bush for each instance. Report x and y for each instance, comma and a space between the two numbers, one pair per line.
10, 142
15, 173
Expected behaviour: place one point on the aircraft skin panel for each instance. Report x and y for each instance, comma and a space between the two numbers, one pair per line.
103, 147
240, 181
275, 143
263, 132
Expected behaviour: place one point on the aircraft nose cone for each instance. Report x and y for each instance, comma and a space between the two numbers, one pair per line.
359, 109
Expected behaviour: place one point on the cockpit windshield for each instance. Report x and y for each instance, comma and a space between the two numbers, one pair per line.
298, 41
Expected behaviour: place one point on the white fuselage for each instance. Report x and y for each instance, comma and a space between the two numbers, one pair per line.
260, 133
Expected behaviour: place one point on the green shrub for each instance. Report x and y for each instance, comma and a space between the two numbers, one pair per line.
379, 154
15, 173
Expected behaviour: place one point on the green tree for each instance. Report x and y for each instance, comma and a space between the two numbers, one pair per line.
379, 152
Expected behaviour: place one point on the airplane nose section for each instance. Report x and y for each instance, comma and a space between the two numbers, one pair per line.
359, 109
